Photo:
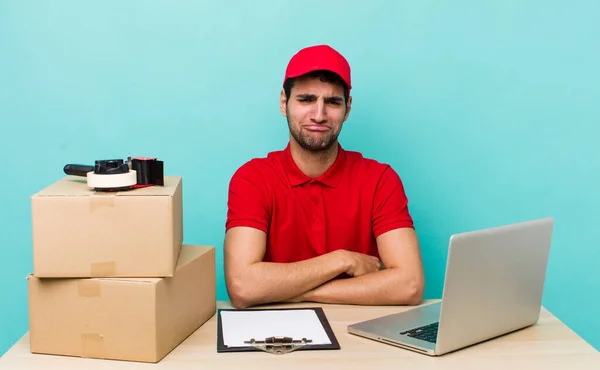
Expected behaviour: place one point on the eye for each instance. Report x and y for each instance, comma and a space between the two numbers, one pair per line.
306, 98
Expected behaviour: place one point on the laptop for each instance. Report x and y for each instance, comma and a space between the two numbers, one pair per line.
493, 286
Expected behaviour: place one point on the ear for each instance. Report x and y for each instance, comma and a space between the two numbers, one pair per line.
283, 103
348, 107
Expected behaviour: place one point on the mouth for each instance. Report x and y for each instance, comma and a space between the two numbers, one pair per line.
316, 128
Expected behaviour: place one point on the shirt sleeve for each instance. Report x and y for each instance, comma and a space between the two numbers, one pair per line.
247, 199
390, 208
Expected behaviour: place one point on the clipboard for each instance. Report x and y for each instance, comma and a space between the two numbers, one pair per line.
278, 342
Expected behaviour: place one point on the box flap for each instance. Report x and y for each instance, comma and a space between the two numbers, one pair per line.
189, 253
77, 186
132, 280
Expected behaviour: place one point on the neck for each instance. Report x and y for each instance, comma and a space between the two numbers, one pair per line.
313, 164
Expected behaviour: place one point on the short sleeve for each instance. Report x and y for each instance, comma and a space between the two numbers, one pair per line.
390, 206
247, 203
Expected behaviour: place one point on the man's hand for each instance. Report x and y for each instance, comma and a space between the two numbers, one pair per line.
361, 264
402, 282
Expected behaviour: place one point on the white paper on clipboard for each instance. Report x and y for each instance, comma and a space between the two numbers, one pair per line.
240, 326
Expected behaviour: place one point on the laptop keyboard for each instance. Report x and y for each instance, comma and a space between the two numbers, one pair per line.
427, 333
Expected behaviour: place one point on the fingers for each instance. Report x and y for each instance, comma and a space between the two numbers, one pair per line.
371, 264
364, 264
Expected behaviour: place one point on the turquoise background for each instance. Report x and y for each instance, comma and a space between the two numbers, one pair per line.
489, 111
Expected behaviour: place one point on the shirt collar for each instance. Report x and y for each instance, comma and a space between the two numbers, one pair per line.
331, 177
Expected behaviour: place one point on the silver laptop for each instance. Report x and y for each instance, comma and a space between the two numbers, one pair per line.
493, 286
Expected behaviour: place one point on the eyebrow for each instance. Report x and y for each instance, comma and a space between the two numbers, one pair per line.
334, 99
306, 96
329, 99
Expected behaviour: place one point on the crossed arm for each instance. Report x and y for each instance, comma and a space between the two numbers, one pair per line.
252, 282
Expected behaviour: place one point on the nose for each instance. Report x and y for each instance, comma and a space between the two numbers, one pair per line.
319, 114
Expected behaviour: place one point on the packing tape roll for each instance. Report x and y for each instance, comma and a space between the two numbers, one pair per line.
95, 180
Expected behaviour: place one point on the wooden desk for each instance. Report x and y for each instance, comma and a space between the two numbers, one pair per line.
547, 345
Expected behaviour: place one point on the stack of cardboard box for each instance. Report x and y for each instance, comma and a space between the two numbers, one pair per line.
111, 278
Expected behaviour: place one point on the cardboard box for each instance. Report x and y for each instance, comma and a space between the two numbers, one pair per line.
78, 232
123, 319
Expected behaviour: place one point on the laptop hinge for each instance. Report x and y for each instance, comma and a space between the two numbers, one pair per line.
404, 345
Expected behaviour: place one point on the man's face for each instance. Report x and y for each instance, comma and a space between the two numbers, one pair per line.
315, 113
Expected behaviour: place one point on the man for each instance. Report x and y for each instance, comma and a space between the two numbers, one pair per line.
315, 222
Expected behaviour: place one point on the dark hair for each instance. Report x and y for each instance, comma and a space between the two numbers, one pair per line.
324, 76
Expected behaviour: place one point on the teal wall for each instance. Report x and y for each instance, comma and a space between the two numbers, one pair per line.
489, 112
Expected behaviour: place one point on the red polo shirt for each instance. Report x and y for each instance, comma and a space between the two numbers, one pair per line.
347, 207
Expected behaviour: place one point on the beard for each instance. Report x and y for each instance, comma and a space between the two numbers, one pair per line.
320, 144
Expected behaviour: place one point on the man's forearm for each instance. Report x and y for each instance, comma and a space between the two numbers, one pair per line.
265, 282
386, 287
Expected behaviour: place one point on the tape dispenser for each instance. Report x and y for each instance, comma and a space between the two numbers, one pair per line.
119, 175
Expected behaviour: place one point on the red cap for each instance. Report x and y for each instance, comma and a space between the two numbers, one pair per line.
318, 57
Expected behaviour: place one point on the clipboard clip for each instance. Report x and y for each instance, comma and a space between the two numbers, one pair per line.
278, 345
